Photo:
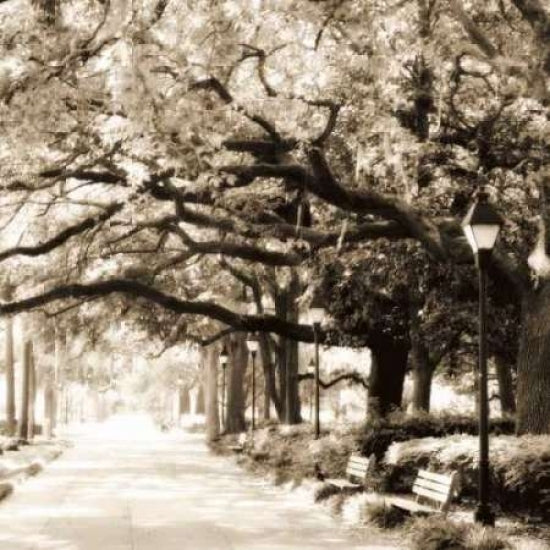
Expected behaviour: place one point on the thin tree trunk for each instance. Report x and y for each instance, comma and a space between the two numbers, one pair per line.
211, 362
200, 408
269, 369
505, 385
422, 367
7, 295
422, 386
32, 397
10, 378
25, 386
184, 400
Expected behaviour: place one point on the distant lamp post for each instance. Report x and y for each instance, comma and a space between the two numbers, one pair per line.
224, 359
253, 346
311, 370
316, 314
481, 227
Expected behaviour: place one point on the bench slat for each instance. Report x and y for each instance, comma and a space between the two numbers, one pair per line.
357, 472
358, 460
439, 478
432, 486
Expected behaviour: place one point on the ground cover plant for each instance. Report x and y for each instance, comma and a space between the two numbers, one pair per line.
436, 533
520, 467
379, 434
291, 454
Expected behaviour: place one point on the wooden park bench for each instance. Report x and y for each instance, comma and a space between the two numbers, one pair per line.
357, 469
434, 493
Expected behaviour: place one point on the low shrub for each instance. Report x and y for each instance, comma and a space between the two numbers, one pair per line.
324, 491
485, 538
383, 516
520, 467
293, 454
437, 533
379, 434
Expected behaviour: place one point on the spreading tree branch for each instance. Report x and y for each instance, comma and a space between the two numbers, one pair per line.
62, 237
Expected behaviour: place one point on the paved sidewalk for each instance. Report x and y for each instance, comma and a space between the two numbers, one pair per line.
128, 487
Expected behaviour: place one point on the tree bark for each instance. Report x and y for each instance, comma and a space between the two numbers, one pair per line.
505, 385
386, 379
533, 380
25, 387
235, 389
211, 363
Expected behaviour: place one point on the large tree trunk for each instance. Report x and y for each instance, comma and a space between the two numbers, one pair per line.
533, 381
386, 379
286, 308
235, 390
211, 364
505, 385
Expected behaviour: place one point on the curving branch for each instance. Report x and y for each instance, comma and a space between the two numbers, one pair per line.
62, 237
214, 85
136, 289
353, 376
243, 251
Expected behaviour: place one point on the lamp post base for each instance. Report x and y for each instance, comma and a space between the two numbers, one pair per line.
484, 515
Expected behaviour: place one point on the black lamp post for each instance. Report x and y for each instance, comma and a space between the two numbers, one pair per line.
224, 358
481, 227
311, 370
253, 345
316, 313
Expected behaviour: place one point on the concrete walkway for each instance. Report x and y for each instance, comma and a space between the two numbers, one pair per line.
125, 486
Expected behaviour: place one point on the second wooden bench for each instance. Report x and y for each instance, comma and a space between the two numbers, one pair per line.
433, 492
